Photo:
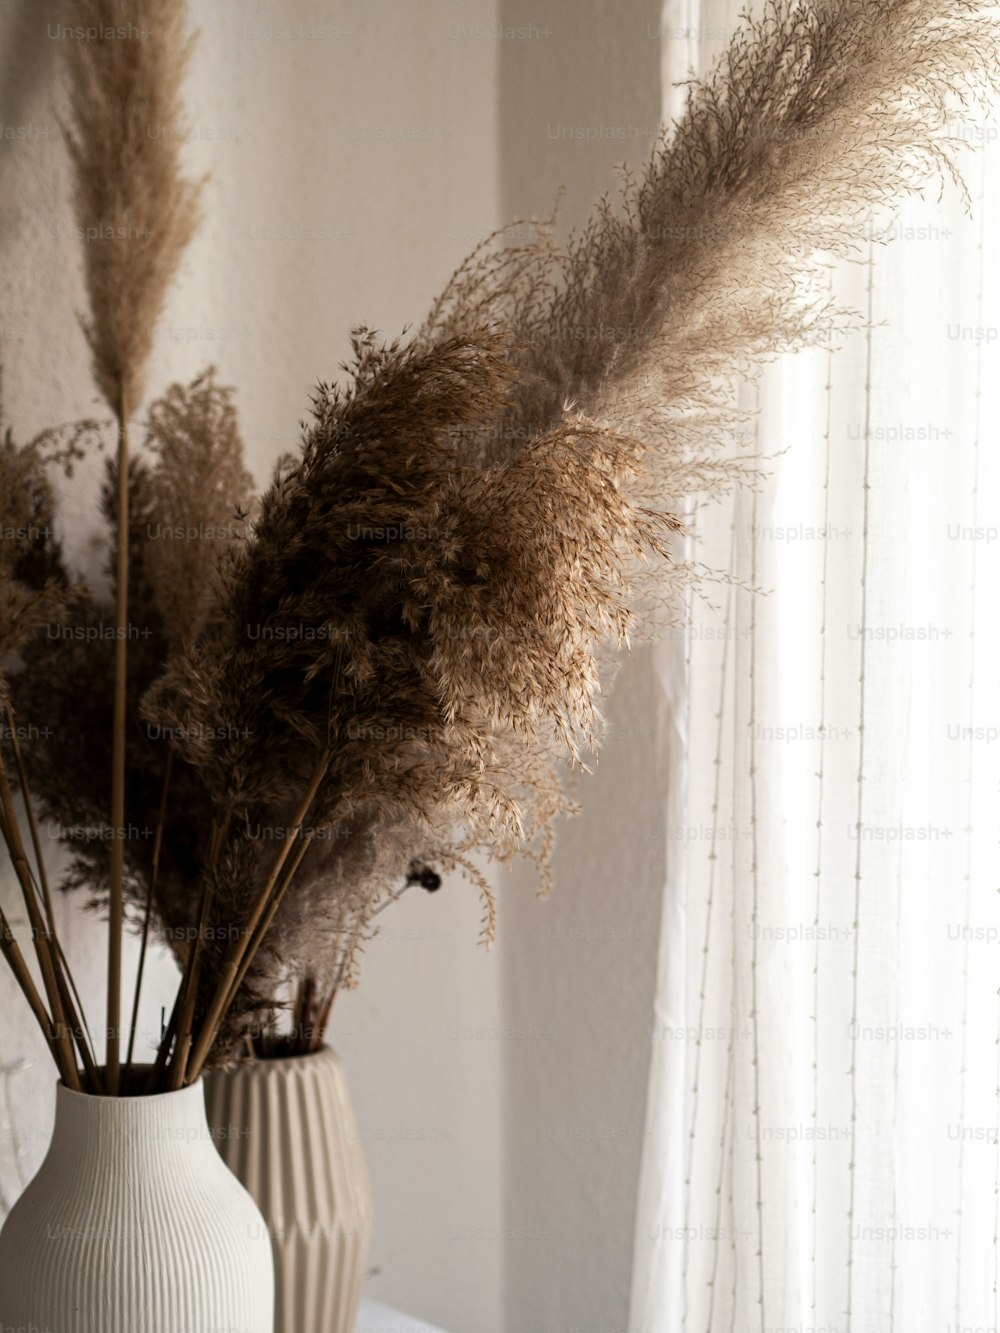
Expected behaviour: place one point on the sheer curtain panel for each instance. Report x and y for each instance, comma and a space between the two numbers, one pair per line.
821, 1150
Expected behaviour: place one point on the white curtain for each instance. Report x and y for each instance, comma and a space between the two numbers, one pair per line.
821, 1151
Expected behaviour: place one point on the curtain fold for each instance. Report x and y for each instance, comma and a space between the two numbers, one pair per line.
821, 1148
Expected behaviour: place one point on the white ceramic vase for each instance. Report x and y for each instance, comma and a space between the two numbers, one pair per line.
132, 1223
287, 1129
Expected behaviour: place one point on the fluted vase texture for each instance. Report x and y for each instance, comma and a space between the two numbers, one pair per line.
134, 1222
287, 1129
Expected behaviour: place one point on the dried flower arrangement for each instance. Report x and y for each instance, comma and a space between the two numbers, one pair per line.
377, 670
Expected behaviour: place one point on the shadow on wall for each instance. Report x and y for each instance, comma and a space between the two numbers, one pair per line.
579, 95
26, 66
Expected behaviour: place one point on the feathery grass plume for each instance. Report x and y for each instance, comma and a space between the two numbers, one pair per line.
517, 602
411, 639
815, 121
817, 118
200, 494
136, 213
309, 616
135, 209
61, 693
32, 582
33, 594
435, 626
185, 500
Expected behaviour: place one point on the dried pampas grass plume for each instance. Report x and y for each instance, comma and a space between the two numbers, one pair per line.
135, 208
391, 667
430, 627
32, 583
480, 519
194, 467
199, 496
815, 121
135, 212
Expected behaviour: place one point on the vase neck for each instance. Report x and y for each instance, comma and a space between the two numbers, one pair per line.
168, 1127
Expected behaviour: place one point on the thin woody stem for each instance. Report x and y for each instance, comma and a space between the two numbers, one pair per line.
116, 912
163, 1051
206, 1035
175, 1028
324, 1013
185, 1023
67, 989
239, 948
154, 870
188, 997
302, 1034
218, 840
323, 1018
36, 841
12, 952
263, 926
47, 960
74, 1013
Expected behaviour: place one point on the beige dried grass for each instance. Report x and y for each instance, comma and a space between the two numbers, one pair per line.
135, 209
395, 663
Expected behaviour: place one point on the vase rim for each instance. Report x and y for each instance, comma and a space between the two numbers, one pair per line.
262, 1063
69, 1094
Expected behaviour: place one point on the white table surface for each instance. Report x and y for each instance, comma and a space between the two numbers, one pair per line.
375, 1318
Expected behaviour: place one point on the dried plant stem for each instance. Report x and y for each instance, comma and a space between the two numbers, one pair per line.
305, 1005
36, 841
60, 1035
47, 962
241, 953
181, 1022
310, 1011
71, 1001
219, 834
542, 432
116, 896
12, 953
153, 1083
73, 1006
323, 1020
250, 952
74, 1011
154, 871
323, 1017
257, 939
192, 975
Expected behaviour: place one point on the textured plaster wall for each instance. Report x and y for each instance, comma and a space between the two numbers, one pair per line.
352, 147
579, 969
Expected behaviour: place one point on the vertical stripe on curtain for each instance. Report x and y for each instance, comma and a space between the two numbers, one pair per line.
822, 1127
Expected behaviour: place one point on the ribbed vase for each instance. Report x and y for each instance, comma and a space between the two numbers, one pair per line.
133, 1222
287, 1129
